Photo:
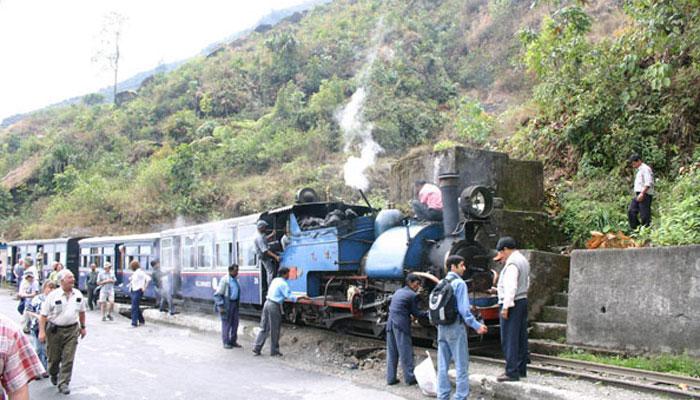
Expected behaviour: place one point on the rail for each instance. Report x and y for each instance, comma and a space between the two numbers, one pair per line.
648, 381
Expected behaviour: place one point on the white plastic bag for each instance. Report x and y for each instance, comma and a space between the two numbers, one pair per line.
426, 376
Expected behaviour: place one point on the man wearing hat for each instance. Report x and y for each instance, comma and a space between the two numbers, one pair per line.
643, 193
513, 284
267, 259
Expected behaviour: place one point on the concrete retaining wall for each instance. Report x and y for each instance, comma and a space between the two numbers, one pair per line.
636, 300
547, 273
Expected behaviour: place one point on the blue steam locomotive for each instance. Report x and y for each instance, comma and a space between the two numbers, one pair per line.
348, 259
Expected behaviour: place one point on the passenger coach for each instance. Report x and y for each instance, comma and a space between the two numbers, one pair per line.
119, 251
44, 252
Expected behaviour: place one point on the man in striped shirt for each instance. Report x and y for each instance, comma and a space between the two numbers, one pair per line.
19, 363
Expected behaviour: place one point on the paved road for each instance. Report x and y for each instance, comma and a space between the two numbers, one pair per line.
115, 361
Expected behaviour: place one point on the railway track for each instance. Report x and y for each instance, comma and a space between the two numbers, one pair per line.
648, 381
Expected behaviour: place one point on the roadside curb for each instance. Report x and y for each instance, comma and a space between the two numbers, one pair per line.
521, 390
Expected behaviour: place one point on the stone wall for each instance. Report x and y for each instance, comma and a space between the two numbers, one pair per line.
636, 300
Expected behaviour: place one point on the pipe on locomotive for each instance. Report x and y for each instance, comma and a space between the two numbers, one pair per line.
449, 188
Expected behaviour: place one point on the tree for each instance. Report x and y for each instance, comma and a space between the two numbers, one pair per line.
108, 54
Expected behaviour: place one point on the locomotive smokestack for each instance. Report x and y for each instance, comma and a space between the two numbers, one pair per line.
449, 187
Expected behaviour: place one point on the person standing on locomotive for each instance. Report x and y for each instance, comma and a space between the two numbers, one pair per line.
267, 259
452, 338
138, 282
61, 313
428, 207
271, 321
512, 296
403, 306
227, 299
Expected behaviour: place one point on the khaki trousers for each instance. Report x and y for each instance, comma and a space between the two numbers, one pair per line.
61, 347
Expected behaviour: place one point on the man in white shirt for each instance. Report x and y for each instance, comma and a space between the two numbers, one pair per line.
138, 282
513, 284
643, 193
61, 321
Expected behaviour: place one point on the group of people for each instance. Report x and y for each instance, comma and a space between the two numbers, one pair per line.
512, 287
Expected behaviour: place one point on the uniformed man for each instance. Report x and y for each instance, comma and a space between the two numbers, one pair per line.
267, 259
62, 320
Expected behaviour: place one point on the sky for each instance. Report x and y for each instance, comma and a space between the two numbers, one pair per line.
47, 46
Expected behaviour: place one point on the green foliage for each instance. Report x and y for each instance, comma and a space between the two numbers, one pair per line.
473, 124
444, 145
7, 205
93, 99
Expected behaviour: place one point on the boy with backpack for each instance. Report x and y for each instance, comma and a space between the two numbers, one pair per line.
449, 310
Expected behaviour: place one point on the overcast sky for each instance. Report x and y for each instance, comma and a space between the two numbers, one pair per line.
46, 46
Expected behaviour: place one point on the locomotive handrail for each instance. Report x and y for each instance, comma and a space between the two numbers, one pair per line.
325, 291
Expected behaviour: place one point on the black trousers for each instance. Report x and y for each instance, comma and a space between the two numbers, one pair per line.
643, 209
514, 340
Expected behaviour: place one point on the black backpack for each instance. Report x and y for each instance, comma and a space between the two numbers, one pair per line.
442, 305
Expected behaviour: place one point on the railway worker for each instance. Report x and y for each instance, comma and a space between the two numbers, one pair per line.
267, 259
271, 321
61, 322
403, 306
452, 338
105, 281
92, 285
643, 193
227, 299
20, 364
512, 296
428, 207
138, 282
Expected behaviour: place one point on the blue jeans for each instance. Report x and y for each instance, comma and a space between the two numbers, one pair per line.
514, 339
399, 347
136, 314
40, 349
452, 345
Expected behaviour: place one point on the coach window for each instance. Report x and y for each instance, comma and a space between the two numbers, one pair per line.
204, 249
246, 245
85, 253
166, 250
188, 253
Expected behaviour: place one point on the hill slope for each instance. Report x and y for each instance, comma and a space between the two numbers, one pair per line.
241, 129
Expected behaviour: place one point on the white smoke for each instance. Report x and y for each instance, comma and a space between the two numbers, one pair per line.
357, 132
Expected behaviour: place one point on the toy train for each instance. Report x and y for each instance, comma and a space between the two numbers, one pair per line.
348, 259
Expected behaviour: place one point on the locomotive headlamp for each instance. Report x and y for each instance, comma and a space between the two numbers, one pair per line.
476, 201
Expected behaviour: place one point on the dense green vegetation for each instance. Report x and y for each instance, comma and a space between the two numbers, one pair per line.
239, 130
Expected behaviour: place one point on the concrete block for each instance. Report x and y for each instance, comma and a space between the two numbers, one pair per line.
548, 330
637, 300
554, 314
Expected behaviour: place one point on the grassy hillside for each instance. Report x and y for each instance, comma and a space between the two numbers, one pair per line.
241, 130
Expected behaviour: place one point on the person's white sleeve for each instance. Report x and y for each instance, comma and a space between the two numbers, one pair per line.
510, 285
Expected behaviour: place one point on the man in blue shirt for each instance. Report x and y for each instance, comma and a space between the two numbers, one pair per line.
227, 300
404, 304
452, 339
271, 321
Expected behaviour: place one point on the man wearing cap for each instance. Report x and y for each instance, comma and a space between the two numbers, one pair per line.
513, 284
267, 259
643, 193
62, 320
428, 207
105, 280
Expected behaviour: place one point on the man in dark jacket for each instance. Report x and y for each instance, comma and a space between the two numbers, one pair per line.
227, 299
404, 305
92, 285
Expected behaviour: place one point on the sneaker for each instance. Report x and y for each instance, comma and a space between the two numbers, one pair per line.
109, 317
276, 354
394, 382
63, 389
54, 380
104, 319
256, 352
228, 346
236, 345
